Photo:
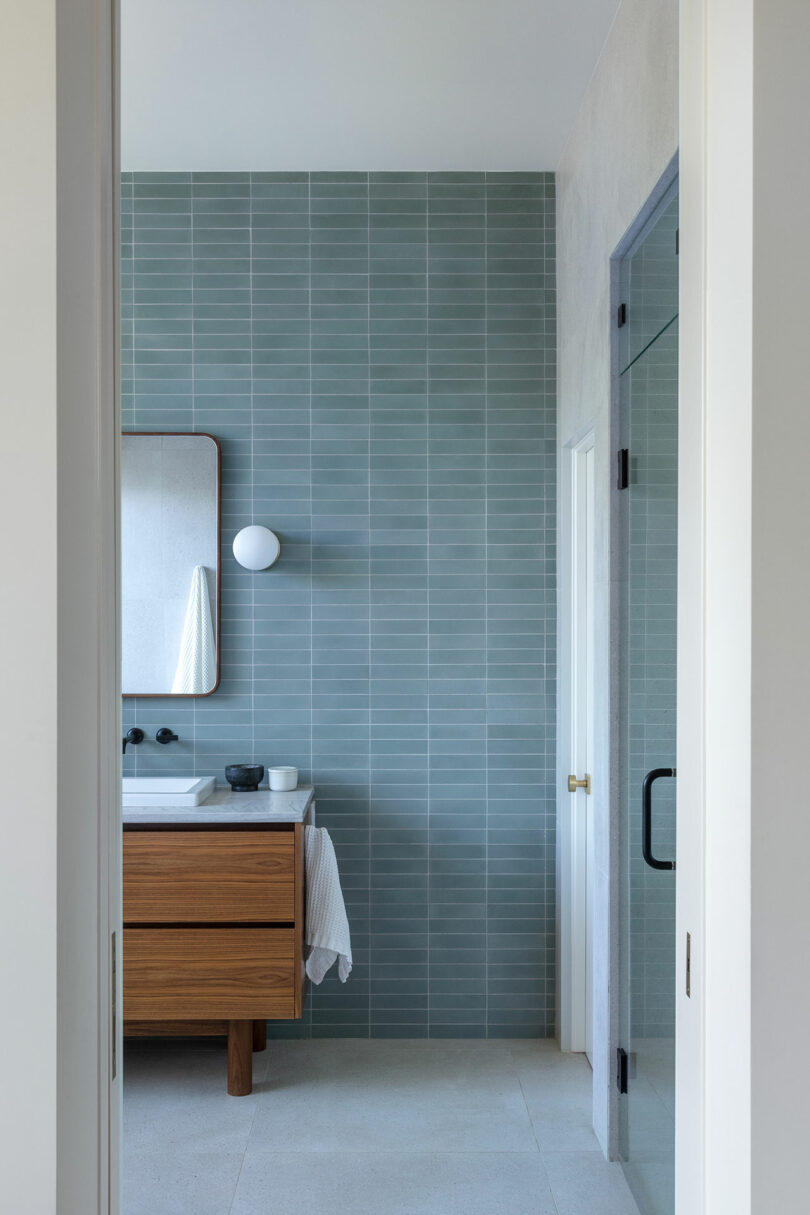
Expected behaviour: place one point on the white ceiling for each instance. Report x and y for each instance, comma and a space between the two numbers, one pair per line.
354, 84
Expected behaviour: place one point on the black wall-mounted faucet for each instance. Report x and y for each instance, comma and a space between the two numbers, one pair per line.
134, 736
165, 735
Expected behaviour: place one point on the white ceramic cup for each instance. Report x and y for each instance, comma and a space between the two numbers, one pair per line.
282, 780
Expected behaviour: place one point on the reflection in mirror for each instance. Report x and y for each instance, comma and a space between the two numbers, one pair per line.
170, 520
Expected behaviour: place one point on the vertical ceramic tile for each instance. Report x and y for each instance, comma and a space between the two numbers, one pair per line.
376, 353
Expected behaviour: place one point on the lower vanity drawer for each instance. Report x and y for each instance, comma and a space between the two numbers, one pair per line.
194, 973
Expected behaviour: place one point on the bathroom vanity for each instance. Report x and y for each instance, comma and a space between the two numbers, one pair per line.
214, 919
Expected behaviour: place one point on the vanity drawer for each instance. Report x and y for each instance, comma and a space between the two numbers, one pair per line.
187, 877
198, 973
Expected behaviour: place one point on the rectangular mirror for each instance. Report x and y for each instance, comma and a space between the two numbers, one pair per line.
170, 576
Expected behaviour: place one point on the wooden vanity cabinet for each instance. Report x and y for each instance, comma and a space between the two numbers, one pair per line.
213, 933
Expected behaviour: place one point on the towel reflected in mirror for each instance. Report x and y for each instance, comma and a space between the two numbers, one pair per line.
196, 664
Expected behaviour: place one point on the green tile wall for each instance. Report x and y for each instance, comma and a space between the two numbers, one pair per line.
376, 353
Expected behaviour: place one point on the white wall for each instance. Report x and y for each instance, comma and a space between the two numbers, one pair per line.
780, 611
623, 140
713, 1083
28, 711
744, 582
354, 84
59, 722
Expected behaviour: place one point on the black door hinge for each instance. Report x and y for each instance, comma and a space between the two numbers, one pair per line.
621, 1070
623, 474
621, 315
677, 241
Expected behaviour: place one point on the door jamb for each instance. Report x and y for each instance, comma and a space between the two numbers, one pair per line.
572, 858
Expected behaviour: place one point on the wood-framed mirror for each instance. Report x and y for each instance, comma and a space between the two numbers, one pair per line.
171, 491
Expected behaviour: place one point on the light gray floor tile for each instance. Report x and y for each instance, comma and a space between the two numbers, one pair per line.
654, 1183
369, 1096
159, 1180
559, 1096
367, 1128
655, 1059
583, 1183
535, 1046
400, 1183
181, 1099
652, 1127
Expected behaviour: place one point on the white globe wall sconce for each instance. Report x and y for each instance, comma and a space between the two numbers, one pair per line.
256, 547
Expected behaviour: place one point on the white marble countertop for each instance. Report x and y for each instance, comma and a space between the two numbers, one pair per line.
224, 806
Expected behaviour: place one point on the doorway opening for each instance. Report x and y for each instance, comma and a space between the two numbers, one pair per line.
578, 859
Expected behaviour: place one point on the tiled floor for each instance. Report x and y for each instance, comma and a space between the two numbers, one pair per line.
652, 1124
365, 1128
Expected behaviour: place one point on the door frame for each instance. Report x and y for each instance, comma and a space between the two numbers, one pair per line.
716, 88
88, 405
718, 332
59, 298
573, 872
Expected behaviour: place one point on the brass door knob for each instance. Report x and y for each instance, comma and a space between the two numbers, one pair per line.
574, 784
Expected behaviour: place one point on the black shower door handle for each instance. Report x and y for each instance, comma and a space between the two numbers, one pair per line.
646, 817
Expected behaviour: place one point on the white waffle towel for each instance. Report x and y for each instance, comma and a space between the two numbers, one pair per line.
327, 925
196, 665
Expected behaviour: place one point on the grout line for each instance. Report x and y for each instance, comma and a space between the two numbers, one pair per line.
247, 1141
307, 1022
252, 486
427, 568
368, 685
528, 1111
136, 702
486, 614
194, 427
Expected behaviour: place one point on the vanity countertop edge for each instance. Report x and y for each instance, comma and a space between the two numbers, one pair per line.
224, 807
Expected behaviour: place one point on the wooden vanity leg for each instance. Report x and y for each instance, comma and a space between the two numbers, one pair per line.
240, 1058
259, 1035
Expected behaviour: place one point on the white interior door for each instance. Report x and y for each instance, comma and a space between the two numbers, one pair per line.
581, 794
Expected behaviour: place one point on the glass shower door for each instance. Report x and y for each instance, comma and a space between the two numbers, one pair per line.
647, 686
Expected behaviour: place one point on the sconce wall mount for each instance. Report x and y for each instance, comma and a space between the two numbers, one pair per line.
256, 547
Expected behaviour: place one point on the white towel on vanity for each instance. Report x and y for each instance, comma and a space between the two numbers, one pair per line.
327, 925
197, 663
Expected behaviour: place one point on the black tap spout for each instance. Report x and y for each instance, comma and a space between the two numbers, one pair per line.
134, 736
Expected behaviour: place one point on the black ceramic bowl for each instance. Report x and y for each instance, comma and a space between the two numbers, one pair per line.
244, 778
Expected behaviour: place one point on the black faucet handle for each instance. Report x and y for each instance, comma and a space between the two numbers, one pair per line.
165, 735
134, 736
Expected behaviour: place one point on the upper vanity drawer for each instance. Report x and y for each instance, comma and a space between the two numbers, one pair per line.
192, 877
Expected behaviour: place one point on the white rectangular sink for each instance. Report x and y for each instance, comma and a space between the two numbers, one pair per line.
166, 790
